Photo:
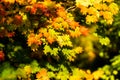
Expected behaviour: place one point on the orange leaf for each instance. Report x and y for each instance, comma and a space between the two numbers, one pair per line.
40, 35
73, 24
83, 9
61, 12
50, 40
33, 10
84, 30
41, 73
65, 25
46, 34
38, 75
56, 25
33, 39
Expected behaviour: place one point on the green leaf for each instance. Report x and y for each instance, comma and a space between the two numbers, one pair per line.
119, 33
8, 74
104, 41
20, 72
1, 45
116, 62
66, 51
35, 66
17, 48
52, 32
50, 67
51, 74
64, 41
47, 49
62, 75
112, 77
115, 72
54, 51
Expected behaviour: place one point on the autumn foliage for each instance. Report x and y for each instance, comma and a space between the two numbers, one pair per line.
57, 39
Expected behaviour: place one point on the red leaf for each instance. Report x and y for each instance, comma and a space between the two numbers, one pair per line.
17, 19
33, 10
2, 56
10, 34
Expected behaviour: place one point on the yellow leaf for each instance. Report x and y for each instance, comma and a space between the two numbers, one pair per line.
113, 7
86, 3
75, 78
98, 6
92, 10
107, 15
83, 9
104, 7
110, 21
91, 55
20, 1
9, 1
98, 74
28, 69
91, 19
83, 2
32, 1
78, 49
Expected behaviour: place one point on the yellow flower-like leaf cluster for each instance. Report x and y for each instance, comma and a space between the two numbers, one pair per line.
79, 74
71, 54
95, 10
91, 18
78, 49
74, 52
64, 40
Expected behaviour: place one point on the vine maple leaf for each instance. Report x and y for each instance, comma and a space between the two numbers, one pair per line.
91, 18
33, 10
46, 34
17, 19
27, 69
50, 40
42, 75
2, 56
84, 30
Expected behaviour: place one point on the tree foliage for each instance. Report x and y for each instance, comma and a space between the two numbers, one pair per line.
61, 40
